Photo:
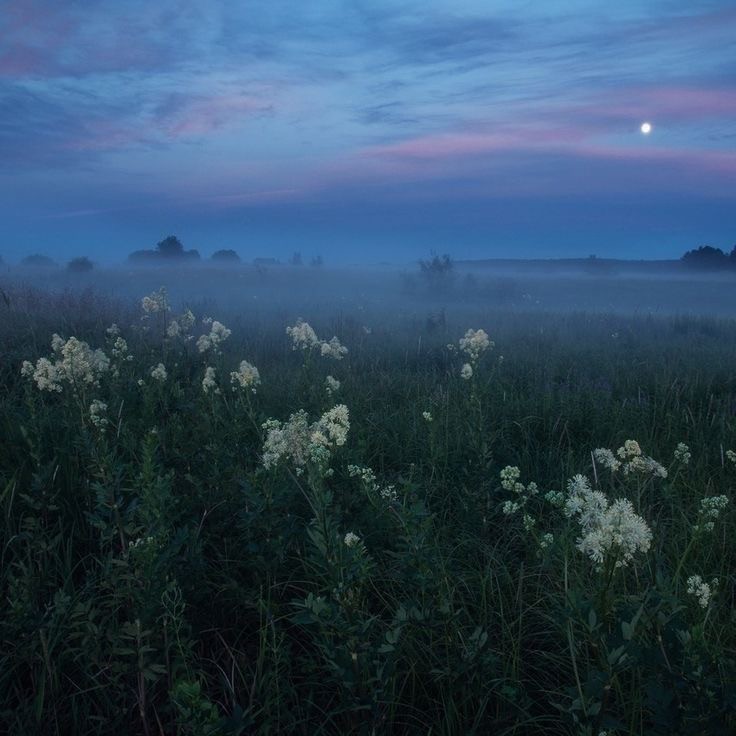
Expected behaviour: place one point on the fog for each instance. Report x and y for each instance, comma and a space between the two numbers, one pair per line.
379, 292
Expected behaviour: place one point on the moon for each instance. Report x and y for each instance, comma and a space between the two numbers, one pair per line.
646, 128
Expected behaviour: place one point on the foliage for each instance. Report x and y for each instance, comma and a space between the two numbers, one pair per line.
81, 264
158, 577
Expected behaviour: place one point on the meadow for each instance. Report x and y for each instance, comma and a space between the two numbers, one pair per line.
484, 516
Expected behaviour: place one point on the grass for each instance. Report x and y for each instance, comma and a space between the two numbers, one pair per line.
157, 579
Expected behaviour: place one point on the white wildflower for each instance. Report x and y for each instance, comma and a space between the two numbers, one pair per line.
427, 416
113, 330
158, 373
731, 455
155, 302
682, 453
303, 337
173, 330
332, 386
246, 377
466, 372
701, 590
546, 541
351, 539
630, 449
97, 414
509, 477
607, 459
74, 363
474, 344
208, 382
333, 349
710, 510
217, 335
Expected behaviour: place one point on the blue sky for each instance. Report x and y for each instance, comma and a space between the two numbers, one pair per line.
367, 131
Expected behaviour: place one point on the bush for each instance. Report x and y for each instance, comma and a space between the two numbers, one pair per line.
81, 264
225, 256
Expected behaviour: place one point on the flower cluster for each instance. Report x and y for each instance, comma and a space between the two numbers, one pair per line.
217, 335
701, 590
630, 458
607, 529
208, 382
155, 302
510, 482
351, 539
466, 372
74, 362
370, 484
303, 337
98, 414
246, 377
158, 373
332, 386
474, 344
731, 455
710, 510
682, 453
301, 442
427, 416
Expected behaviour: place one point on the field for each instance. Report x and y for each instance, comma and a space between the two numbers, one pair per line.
510, 512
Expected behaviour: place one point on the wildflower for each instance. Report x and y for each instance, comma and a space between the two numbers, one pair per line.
155, 302
529, 522
546, 541
509, 508
74, 363
113, 330
186, 321
208, 382
606, 528
509, 477
158, 373
701, 590
120, 349
300, 442
682, 453
303, 337
710, 510
217, 335
474, 344
466, 372
629, 450
173, 330
607, 459
333, 349
556, 498
427, 416
351, 540
245, 377
332, 386
97, 412
731, 455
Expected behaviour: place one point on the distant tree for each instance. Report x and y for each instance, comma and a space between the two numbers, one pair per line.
706, 257
733, 256
81, 264
317, 262
226, 256
296, 259
191, 255
170, 247
144, 257
38, 261
437, 272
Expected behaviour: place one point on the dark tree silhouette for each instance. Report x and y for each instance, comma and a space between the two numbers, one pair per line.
226, 256
170, 247
706, 257
82, 264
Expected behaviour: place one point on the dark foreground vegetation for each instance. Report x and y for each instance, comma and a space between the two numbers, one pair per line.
413, 554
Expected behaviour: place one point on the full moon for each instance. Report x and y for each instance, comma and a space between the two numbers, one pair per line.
646, 128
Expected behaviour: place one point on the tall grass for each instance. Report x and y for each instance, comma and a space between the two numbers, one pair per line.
158, 579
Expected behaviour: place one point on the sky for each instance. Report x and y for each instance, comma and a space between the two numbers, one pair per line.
367, 131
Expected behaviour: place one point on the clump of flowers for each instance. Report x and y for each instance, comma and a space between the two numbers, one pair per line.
351, 539
427, 416
466, 372
98, 414
73, 362
710, 510
731, 455
370, 484
217, 335
158, 373
701, 590
301, 442
155, 302
630, 458
208, 382
682, 453
474, 344
246, 377
510, 482
608, 530
182, 325
332, 386
303, 337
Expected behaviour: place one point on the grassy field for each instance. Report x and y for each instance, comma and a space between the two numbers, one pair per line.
202, 533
